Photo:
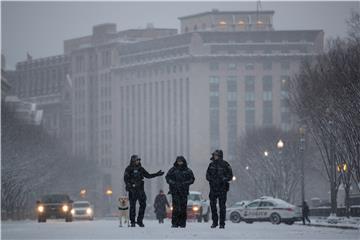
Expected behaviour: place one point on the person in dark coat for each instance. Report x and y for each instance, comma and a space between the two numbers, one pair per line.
179, 178
160, 204
134, 181
219, 174
305, 213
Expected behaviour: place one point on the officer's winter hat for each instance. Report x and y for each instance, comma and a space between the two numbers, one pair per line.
218, 152
134, 158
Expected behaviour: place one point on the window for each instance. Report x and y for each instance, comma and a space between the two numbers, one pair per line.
285, 65
267, 96
232, 66
250, 66
214, 66
249, 96
267, 83
253, 204
267, 65
266, 204
249, 83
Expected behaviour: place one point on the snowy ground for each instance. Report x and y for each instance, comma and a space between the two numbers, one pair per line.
108, 229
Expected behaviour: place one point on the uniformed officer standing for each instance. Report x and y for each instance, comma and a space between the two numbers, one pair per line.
219, 174
134, 181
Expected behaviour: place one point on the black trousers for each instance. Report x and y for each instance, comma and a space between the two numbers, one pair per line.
305, 217
133, 197
213, 196
179, 203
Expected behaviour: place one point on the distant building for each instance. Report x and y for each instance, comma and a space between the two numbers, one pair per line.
43, 82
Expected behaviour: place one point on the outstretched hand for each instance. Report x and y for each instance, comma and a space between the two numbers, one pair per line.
160, 173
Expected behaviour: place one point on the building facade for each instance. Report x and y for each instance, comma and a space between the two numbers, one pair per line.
44, 82
161, 94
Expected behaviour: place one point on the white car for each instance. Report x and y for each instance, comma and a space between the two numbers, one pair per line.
234, 207
82, 210
198, 207
267, 209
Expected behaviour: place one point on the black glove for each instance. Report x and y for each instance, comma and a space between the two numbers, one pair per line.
159, 173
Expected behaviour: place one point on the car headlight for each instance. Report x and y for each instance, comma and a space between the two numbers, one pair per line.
65, 208
88, 211
72, 211
195, 208
40, 208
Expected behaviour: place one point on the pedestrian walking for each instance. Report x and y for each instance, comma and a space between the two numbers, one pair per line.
160, 204
134, 180
179, 178
305, 213
219, 174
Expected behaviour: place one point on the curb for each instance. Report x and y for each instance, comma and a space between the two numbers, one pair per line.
331, 226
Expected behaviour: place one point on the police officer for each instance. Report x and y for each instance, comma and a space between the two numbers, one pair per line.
179, 178
134, 181
219, 174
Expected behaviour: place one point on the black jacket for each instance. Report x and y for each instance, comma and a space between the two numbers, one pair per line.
179, 179
219, 174
134, 177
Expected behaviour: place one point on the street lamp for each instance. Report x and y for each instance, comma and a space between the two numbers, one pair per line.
280, 144
109, 192
233, 178
82, 192
266, 153
302, 150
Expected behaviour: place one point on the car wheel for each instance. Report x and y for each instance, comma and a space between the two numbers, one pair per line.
289, 222
235, 217
68, 219
40, 220
275, 218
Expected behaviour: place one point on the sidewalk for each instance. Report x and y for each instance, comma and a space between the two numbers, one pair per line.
334, 222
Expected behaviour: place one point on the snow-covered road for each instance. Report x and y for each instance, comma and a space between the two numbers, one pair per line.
108, 229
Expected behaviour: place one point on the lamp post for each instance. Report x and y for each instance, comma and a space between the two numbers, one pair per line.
109, 194
302, 150
280, 146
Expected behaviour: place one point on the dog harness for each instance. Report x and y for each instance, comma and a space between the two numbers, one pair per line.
125, 208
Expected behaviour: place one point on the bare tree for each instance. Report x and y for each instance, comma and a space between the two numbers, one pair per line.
266, 169
326, 96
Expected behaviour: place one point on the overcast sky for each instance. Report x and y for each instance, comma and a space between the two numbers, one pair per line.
40, 27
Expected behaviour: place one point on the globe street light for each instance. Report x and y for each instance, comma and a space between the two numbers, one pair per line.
280, 144
266, 153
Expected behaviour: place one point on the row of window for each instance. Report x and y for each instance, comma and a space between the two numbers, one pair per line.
153, 72
140, 58
82, 64
268, 65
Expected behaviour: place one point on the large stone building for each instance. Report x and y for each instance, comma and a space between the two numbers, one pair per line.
200, 90
160, 94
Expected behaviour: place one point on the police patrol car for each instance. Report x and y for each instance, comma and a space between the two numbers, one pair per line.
266, 209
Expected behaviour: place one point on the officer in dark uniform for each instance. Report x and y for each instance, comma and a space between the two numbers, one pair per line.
179, 178
134, 181
219, 174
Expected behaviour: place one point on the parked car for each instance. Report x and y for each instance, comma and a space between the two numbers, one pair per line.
197, 207
54, 206
267, 209
82, 210
235, 206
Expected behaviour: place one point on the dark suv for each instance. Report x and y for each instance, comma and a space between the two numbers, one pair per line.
54, 206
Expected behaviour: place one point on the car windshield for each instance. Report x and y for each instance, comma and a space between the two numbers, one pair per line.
56, 198
81, 205
194, 197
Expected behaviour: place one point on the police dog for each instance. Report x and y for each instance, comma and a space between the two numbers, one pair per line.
123, 211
